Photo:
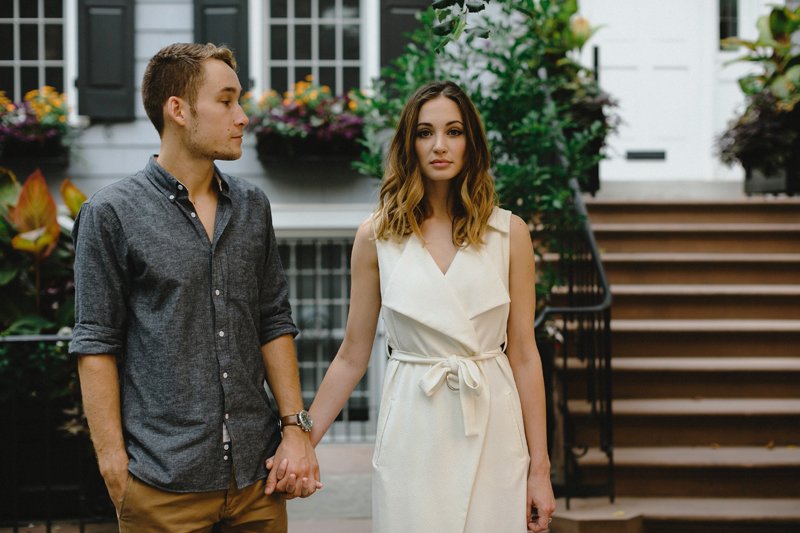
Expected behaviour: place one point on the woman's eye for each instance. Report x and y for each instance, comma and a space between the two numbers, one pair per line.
454, 132
423, 133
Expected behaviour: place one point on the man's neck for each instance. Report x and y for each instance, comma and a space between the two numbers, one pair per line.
195, 174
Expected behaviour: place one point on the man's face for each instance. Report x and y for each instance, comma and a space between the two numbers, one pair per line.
215, 129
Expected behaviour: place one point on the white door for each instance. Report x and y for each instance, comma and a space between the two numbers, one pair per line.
657, 59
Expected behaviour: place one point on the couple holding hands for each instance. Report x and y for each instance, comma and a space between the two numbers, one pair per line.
183, 320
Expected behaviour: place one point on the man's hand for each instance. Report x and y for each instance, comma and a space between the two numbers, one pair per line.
293, 469
114, 469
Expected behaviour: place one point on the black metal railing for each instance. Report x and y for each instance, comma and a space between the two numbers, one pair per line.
48, 468
574, 334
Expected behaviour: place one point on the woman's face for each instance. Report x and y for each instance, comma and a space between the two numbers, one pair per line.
440, 142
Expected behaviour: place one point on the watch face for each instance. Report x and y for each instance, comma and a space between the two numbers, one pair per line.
304, 421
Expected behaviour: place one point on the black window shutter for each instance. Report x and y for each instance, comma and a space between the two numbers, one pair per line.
398, 17
105, 59
224, 22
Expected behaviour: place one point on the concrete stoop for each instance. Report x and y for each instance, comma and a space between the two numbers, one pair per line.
662, 515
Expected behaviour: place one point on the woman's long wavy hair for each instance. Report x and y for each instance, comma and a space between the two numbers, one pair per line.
402, 206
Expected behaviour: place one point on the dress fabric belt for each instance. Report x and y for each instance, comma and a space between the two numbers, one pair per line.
460, 374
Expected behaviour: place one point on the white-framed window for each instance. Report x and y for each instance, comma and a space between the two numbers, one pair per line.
728, 20
321, 38
32, 46
318, 274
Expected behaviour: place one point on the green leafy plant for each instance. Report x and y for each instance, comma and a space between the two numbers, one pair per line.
36, 255
767, 134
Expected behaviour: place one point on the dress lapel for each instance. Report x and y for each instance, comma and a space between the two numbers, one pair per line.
419, 290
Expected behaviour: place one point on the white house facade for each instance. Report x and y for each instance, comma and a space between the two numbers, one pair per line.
661, 60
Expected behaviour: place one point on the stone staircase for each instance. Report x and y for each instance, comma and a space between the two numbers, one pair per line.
706, 347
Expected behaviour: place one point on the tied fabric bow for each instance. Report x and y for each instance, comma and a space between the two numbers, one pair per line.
462, 375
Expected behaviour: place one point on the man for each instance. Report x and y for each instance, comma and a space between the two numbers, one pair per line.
182, 314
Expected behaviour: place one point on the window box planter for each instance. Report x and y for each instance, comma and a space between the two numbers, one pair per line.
785, 180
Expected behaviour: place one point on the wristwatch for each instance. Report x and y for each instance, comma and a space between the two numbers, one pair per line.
298, 419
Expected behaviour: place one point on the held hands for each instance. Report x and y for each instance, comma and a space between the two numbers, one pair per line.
293, 470
541, 503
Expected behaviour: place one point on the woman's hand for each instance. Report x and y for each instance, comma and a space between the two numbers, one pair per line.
540, 497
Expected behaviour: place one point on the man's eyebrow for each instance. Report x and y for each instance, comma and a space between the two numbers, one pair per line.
229, 90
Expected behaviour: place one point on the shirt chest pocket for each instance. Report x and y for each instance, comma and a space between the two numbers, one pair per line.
244, 276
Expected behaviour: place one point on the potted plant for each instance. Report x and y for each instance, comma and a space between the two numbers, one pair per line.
35, 133
308, 122
765, 139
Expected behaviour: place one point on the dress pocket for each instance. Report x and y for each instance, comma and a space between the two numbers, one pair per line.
516, 413
383, 420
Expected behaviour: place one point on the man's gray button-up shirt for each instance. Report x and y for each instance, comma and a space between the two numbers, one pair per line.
186, 317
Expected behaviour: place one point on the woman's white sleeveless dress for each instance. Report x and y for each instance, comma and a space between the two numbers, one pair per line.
450, 451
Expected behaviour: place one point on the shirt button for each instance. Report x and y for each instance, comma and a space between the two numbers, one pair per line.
225, 375
180, 187
227, 416
216, 292
225, 457
194, 215
221, 333
171, 196
226, 446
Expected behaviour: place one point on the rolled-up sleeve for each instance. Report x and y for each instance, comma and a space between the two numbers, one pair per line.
100, 282
275, 310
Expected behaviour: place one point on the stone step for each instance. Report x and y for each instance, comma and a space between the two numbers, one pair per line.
694, 237
675, 471
706, 301
705, 338
705, 268
662, 515
695, 422
742, 211
695, 377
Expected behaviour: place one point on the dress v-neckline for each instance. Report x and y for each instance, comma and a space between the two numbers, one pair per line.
435, 264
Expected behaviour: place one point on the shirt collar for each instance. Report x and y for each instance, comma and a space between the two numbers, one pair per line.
172, 188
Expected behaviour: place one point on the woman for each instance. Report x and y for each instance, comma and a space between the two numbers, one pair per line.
461, 443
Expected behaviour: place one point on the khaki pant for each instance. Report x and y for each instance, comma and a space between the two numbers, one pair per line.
146, 509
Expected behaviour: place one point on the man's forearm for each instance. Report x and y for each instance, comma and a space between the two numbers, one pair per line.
283, 377
100, 391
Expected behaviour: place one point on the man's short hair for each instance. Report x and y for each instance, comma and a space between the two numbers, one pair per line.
177, 70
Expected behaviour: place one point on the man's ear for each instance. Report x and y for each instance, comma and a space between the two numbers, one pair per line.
175, 110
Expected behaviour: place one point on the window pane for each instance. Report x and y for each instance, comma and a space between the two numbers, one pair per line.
302, 42
29, 8
327, 41
306, 255
54, 77
350, 6
6, 41
351, 78
327, 76
327, 8
280, 83
300, 73
277, 40
53, 8
7, 82
307, 286
29, 76
331, 287
277, 8
54, 41
6, 8
351, 41
29, 41
302, 9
